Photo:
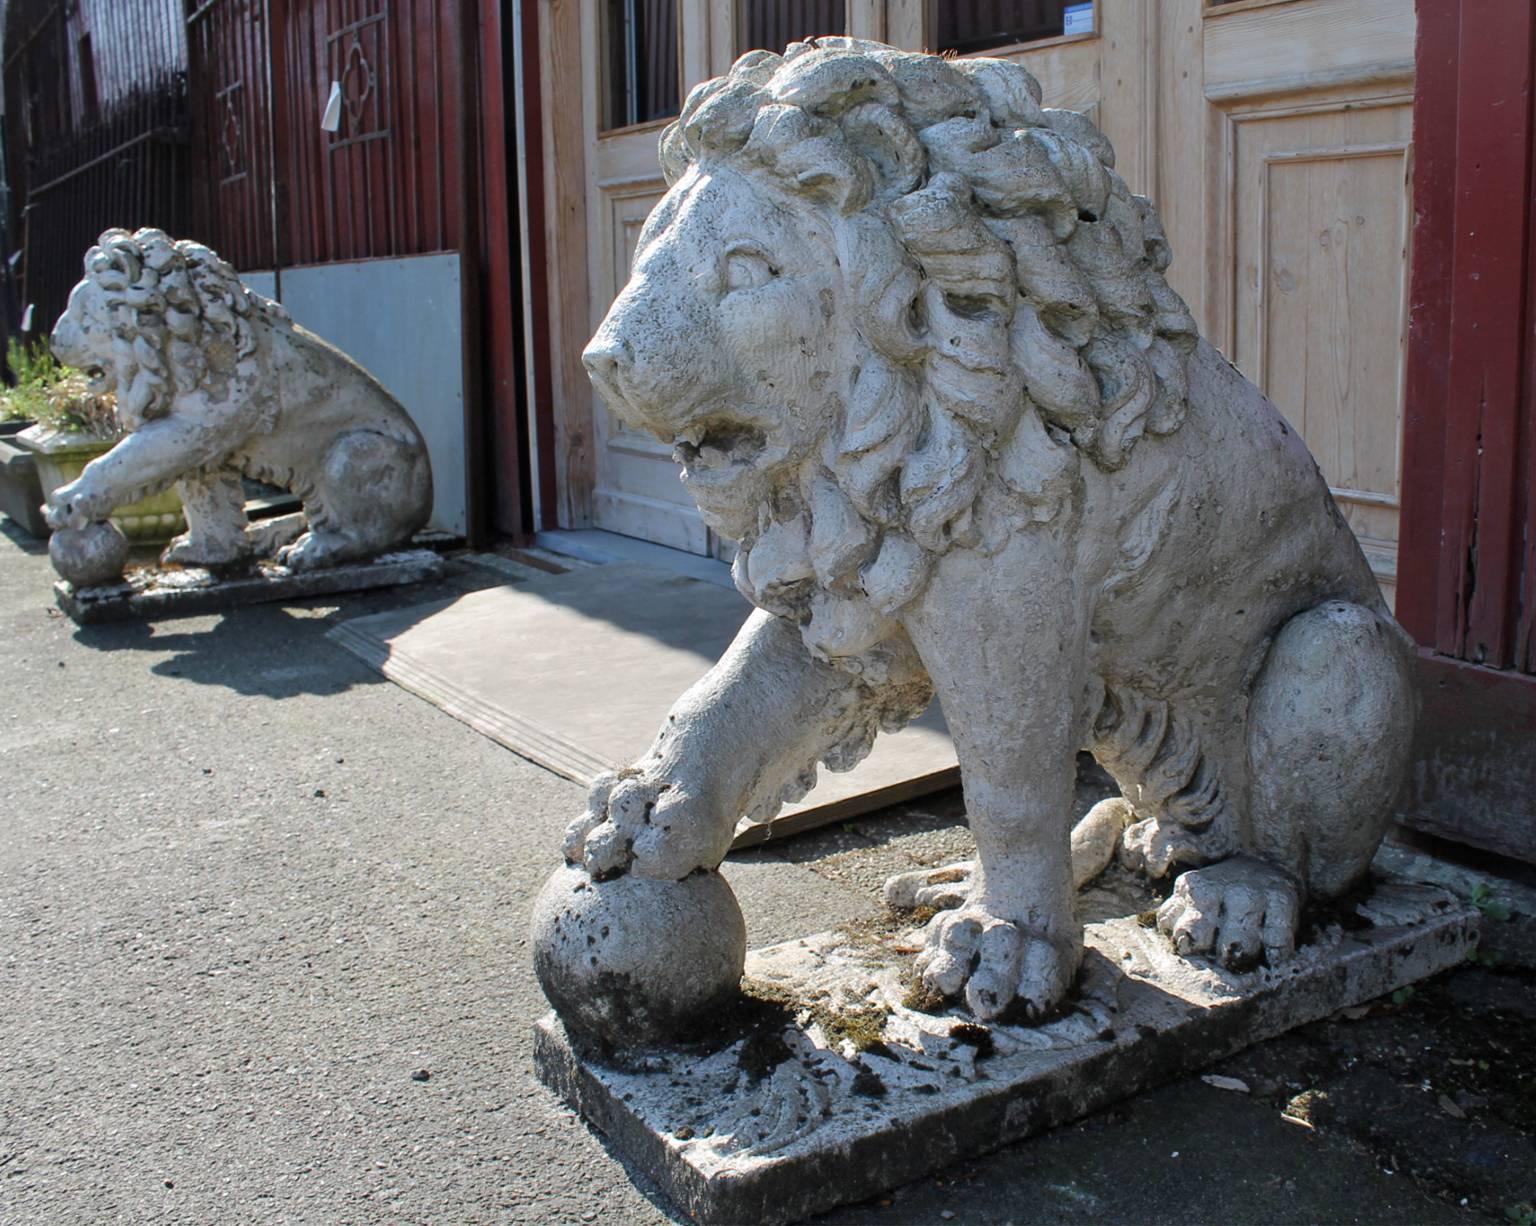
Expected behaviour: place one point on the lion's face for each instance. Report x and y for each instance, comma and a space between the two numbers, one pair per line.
725, 342
83, 337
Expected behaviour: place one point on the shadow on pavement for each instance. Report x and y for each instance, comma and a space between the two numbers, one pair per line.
267, 651
23, 540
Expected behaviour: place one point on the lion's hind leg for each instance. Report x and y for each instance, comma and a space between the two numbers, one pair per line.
1330, 728
372, 494
1329, 731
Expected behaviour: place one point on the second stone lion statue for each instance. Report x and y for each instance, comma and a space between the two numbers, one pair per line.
215, 382
910, 336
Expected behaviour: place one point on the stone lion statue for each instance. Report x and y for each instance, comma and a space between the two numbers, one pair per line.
910, 336
214, 382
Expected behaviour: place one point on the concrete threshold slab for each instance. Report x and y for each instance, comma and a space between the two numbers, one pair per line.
151, 593
831, 1087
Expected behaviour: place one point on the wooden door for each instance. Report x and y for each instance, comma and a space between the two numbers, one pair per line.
640, 57
638, 60
1274, 136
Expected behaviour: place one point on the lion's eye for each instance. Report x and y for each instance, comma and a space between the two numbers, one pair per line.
746, 269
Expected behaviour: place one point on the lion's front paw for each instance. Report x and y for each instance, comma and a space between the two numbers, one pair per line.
998, 964
650, 826
185, 550
75, 505
1238, 912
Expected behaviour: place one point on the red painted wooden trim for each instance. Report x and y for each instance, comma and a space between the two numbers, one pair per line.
462, 104
1492, 262
502, 341
1524, 507
1429, 318
1466, 515
546, 483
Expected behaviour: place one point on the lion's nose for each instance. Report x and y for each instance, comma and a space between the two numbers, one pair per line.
58, 340
607, 357
610, 363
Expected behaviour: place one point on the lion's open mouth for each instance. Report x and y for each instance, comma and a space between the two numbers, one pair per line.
98, 380
717, 445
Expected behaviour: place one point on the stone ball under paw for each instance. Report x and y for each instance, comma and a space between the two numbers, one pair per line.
636, 960
90, 556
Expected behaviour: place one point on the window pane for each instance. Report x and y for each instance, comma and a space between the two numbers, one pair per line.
774, 24
640, 44
976, 25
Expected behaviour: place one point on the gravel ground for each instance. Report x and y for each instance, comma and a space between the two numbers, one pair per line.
264, 959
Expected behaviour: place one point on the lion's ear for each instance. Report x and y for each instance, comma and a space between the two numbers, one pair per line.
674, 154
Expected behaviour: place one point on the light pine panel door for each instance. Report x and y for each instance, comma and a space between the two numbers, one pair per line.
1308, 224
635, 56
1321, 227
1274, 136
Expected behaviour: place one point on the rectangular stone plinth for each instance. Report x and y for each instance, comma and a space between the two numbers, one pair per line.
149, 593
836, 1089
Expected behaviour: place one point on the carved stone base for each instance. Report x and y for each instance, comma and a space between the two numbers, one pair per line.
829, 1086
151, 592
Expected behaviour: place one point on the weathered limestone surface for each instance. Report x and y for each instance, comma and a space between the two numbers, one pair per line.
89, 556
149, 593
846, 1090
213, 383
911, 338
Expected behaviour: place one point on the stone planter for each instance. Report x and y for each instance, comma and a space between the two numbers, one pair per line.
60, 458
21, 494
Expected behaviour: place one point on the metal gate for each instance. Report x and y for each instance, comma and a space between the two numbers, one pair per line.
385, 177
96, 122
233, 135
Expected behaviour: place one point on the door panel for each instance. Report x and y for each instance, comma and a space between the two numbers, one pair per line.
632, 52
1321, 228
1306, 44
637, 491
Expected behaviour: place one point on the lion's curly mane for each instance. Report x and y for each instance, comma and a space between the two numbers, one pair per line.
180, 319
1009, 286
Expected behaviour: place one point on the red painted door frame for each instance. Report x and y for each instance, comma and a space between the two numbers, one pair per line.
1467, 567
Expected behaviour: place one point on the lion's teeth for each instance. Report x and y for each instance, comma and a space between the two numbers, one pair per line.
691, 437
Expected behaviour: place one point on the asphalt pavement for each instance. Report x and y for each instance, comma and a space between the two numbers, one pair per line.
263, 958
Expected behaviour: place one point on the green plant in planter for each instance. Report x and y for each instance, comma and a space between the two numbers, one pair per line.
68, 406
35, 370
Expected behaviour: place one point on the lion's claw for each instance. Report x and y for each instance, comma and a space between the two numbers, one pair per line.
997, 963
71, 506
1238, 912
576, 833
650, 826
941, 888
314, 551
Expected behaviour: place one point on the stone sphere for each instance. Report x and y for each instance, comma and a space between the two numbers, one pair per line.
634, 960
90, 556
